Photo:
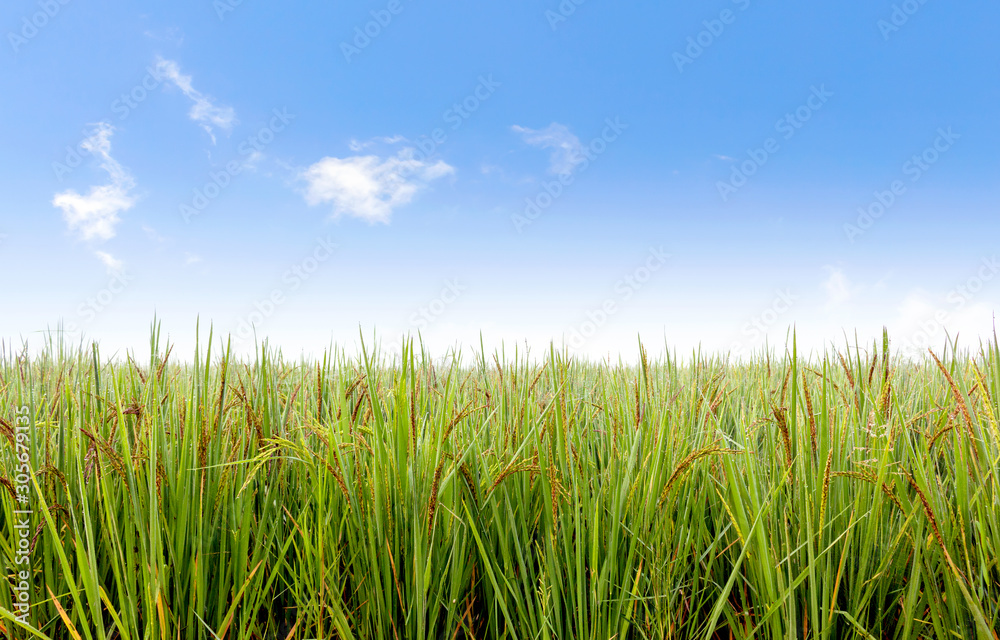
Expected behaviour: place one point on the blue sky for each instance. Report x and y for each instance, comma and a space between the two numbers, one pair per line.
583, 172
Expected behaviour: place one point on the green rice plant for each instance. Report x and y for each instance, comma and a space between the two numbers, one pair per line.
847, 494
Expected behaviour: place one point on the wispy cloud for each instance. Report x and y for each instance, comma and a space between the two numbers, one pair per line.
567, 151
203, 111
96, 214
369, 187
837, 287
173, 35
153, 234
252, 161
357, 145
111, 263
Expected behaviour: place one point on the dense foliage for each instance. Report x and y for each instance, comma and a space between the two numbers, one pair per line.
853, 495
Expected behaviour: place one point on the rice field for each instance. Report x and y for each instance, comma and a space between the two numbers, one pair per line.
500, 496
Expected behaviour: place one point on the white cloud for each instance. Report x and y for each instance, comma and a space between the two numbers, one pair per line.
153, 234
191, 258
916, 305
369, 187
837, 287
357, 145
95, 215
203, 111
252, 160
925, 319
173, 35
567, 151
112, 264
